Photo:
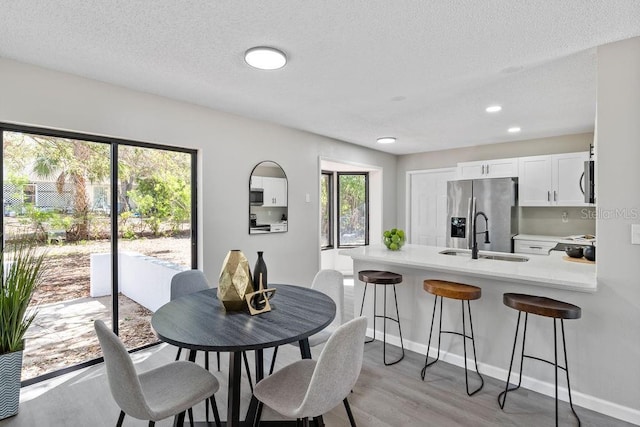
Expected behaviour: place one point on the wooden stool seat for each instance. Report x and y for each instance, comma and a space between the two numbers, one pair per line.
452, 290
379, 277
541, 306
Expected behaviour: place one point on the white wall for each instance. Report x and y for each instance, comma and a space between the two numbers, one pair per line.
612, 318
228, 146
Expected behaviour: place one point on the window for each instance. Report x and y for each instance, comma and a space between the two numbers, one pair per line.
326, 208
353, 209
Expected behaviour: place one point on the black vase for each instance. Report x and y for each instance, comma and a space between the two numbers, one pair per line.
260, 269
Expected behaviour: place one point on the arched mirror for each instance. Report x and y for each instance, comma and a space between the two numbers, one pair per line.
268, 194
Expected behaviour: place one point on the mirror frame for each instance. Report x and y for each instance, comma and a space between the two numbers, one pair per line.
285, 213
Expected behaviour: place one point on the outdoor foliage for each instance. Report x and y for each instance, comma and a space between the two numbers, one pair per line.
162, 199
22, 272
153, 187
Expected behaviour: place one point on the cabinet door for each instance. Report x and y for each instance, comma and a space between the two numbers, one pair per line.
501, 168
471, 170
256, 182
275, 192
568, 170
535, 181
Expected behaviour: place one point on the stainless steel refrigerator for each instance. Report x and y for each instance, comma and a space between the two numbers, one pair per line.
497, 199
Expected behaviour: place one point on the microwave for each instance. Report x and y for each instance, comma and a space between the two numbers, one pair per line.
256, 197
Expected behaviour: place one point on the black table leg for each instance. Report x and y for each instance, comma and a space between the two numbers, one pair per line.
178, 420
255, 407
233, 397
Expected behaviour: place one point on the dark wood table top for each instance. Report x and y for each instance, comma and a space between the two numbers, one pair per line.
198, 321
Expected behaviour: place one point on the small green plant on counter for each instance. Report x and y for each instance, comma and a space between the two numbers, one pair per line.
393, 239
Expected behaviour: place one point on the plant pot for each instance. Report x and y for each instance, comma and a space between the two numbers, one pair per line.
10, 370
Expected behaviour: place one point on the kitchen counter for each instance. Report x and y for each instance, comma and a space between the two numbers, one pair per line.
550, 271
493, 322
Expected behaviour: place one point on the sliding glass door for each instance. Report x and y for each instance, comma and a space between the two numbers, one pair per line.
80, 199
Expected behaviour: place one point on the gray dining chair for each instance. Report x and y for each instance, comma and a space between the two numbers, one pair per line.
331, 283
163, 392
190, 281
309, 388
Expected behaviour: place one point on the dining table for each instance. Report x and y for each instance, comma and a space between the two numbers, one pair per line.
199, 322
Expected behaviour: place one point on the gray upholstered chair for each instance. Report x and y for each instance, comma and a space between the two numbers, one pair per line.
309, 388
157, 394
190, 281
331, 283
187, 282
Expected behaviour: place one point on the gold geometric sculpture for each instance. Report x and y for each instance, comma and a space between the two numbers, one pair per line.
258, 301
235, 281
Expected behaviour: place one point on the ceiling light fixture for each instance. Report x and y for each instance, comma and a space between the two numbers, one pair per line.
387, 140
493, 109
265, 58
514, 129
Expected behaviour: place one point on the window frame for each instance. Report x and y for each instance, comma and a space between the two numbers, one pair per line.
337, 210
330, 209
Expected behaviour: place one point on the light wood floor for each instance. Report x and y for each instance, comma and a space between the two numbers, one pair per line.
385, 396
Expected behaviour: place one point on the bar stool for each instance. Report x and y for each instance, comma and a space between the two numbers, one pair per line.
546, 307
385, 278
462, 292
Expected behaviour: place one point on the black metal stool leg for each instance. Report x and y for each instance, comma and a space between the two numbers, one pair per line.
397, 319
433, 315
473, 343
566, 365
513, 353
364, 295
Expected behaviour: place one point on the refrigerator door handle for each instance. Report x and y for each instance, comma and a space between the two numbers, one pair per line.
548, 196
470, 219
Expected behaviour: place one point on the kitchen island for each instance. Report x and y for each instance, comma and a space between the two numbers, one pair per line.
494, 323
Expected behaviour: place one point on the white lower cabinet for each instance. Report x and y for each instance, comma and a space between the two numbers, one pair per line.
538, 247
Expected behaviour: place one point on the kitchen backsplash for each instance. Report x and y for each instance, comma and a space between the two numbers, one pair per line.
549, 221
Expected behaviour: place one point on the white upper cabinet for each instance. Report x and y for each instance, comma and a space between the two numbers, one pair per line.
499, 168
552, 180
275, 191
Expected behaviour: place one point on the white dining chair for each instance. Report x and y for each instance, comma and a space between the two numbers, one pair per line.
309, 388
156, 394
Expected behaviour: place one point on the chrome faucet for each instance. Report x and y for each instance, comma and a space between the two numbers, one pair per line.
474, 233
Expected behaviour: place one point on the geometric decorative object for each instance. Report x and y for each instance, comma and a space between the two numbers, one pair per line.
235, 281
10, 368
258, 301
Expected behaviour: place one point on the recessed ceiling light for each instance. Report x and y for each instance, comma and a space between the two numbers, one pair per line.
265, 58
493, 109
514, 129
387, 140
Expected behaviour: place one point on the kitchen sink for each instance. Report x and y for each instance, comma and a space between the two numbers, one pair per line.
497, 257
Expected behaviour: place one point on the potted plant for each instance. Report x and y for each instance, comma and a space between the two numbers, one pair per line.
21, 272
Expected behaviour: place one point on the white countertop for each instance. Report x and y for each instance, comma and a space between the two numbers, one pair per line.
541, 270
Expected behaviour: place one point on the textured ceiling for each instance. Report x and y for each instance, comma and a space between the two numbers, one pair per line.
420, 70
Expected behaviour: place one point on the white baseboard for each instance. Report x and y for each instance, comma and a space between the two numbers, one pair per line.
611, 409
